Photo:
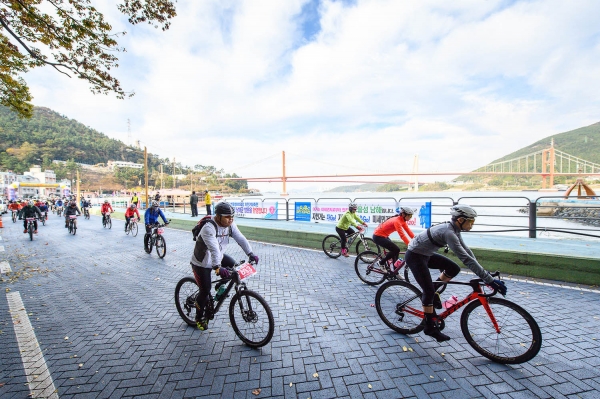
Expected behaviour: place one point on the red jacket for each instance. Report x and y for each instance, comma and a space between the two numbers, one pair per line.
396, 223
129, 213
106, 208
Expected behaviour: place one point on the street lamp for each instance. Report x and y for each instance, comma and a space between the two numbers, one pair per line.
145, 171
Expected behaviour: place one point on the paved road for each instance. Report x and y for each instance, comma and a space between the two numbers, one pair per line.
103, 313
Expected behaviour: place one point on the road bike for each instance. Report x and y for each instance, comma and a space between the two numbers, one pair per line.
132, 227
72, 224
496, 328
106, 220
59, 210
369, 270
30, 227
86, 213
14, 216
249, 314
157, 240
332, 246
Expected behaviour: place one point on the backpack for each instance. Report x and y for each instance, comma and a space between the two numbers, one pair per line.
201, 223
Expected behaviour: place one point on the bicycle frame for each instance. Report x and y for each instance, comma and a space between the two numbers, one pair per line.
211, 309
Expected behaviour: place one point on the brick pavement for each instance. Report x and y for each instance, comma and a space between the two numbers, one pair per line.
107, 325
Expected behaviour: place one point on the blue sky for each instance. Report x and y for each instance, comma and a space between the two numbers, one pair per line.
346, 86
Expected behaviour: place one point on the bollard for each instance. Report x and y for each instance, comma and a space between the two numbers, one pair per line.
532, 219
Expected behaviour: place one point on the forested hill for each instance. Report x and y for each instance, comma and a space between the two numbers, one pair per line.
583, 143
49, 135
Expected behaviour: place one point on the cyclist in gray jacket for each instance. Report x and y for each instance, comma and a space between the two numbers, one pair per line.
208, 254
421, 256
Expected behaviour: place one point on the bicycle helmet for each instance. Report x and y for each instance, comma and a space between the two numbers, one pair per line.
132, 206
352, 206
106, 201
154, 204
464, 211
407, 210
223, 208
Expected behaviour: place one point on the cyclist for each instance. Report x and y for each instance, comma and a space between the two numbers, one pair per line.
58, 205
30, 211
14, 207
421, 256
208, 254
105, 209
72, 209
130, 212
150, 218
384, 230
85, 204
343, 227
43, 207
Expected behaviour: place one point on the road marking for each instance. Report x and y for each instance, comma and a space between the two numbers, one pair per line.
5, 267
38, 377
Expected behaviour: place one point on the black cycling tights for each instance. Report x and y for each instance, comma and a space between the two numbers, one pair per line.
343, 234
419, 266
393, 249
203, 277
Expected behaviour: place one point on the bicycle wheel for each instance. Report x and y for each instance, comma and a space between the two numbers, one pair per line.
30, 232
368, 245
128, 229
74, 230
331, 246
251, 318
14, 217
161, 247
109, 223
399, 306
134, 229
43, 220
519, 339
186, 291
368, 269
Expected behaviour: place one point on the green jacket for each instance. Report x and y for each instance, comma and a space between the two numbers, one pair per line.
348, 219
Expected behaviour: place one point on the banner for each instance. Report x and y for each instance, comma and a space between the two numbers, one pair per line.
302, 211
256, 209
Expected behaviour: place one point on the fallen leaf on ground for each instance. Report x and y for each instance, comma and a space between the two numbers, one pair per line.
316, 375
404, 348
256, 391
370, 386
291, 384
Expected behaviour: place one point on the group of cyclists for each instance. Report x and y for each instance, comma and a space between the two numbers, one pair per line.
421, 254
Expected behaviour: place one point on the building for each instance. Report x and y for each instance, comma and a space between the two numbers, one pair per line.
45, 177
6, 179
122, 164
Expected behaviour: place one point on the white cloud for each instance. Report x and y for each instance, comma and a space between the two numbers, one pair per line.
459, 83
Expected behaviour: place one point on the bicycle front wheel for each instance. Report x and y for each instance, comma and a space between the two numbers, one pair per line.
14, 217
186, 292
368, 269
251, 318
367, 244
161, 247
134, 229
399, 306
109, 223
519, 339
30, 231
331, 246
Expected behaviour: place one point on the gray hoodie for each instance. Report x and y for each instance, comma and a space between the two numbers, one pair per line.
216, 241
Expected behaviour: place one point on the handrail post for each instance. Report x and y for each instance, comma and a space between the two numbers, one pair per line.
532, 219
287, 211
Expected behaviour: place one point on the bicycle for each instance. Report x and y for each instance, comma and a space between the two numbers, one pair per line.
156, 239
72, 224
369, 270
106, 220
44, 218
86, 213
496, 328
30, 227
249, 313
14, 216
332, 245
132, 227
59, 210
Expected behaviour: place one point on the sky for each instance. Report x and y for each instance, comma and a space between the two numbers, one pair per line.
345, 86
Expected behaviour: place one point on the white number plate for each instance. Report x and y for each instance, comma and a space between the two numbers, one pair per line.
246, 270
160, 231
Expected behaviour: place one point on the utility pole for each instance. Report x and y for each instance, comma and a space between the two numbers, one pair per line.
173, 173
161, 176
146, 174
283, 179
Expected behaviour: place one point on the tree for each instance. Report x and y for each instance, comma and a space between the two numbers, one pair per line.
72, 37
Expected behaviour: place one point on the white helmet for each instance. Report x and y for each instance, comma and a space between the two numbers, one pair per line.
464, 211
407, 210
155, 204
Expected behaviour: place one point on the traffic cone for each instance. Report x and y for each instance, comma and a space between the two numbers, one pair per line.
1, 225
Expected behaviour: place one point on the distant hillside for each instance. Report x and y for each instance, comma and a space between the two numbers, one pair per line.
49, 135
371, 187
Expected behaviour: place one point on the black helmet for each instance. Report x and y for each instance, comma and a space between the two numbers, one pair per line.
223, 208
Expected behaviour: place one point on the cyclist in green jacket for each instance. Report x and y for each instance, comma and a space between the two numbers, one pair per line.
343, 227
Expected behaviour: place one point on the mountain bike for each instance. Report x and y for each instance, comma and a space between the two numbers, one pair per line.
86, 213
369, 270
249, 314
106, 220
496, 328
30, 227
332, 245
132, 227
14, 216
59, 210
156, 239
72, 224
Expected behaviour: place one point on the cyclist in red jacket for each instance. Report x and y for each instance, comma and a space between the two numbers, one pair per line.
384, 230
130, 212
106, 208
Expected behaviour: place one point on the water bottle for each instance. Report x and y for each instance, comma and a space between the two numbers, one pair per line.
220, 291
451, 301
397, 264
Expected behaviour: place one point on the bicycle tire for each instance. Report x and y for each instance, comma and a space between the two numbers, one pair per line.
366, 266
30, 232
128, 229
391, 301
43, 220
370, 246
109, 223
185, 299
332, 246
161, 247
520, 338
251, 317
134, 229
14, 218
74, 229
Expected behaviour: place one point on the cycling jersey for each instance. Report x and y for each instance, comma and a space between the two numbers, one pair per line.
72, 210
151, 216
130, 212
348, 219
396, 223
212, 242
106, 208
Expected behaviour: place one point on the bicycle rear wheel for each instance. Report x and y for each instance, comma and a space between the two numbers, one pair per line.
43, 220
186, 292
30, 231
368, 245
399, 306
519, 339
332, 246
134, 229
368, 269
161, 246
251, 318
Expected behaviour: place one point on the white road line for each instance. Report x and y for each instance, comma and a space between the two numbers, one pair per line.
38, 377
5, 267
